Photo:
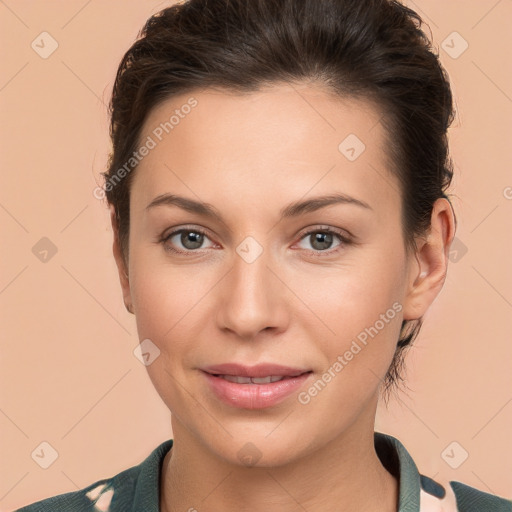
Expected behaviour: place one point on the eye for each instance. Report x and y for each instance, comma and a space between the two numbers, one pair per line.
185, 240
188, 240
322, 239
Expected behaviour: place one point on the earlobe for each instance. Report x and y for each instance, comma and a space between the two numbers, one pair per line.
120, 262
427, 272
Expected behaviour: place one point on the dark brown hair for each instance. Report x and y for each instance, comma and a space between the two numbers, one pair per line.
371, 49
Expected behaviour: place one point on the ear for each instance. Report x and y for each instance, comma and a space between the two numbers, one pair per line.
121, 264
428, 272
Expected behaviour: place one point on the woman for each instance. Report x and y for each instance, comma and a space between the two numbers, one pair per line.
277, 190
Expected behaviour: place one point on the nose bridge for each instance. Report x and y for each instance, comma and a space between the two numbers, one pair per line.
251, 298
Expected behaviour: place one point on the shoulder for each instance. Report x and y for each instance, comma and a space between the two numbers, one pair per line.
136, 485
93, 498
424, 494
470, 499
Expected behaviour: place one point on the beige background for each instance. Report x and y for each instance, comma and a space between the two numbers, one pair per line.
68, 373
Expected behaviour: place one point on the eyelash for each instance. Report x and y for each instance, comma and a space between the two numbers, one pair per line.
345, 240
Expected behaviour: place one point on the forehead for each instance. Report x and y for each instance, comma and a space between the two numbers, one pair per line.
292, 139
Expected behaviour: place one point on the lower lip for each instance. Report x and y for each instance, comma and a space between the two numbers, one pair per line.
255, 396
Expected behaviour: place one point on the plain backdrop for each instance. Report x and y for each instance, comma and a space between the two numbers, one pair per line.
69, 376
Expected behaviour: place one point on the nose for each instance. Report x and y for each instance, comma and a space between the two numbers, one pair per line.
252, 298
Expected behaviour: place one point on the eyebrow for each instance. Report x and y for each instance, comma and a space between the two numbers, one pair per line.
292, 210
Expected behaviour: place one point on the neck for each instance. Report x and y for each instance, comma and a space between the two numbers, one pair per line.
347, 476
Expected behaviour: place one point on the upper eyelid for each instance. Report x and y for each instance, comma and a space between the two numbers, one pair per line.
343, 233
173, 232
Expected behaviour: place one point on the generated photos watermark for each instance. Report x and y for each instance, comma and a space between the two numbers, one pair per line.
304, 397
151, 142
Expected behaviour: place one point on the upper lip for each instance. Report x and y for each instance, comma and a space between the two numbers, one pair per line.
259, 370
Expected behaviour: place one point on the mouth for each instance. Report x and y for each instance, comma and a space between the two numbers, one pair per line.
254, 387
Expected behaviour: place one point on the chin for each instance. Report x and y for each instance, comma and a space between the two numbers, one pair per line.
261, 450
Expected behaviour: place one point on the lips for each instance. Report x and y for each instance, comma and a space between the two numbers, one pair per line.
254, 387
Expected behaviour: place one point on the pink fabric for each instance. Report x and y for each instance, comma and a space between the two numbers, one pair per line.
429, 503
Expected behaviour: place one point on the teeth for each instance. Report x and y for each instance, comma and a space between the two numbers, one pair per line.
252, 380
266, 380
238, 380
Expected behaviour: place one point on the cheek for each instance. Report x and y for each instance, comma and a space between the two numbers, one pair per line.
355, 294
167, 304
364, 323
361, 307
366, 333
171, 303
162, 302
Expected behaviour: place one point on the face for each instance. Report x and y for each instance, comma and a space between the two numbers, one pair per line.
255, 280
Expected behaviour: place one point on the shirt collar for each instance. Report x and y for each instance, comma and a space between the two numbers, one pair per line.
398, 461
